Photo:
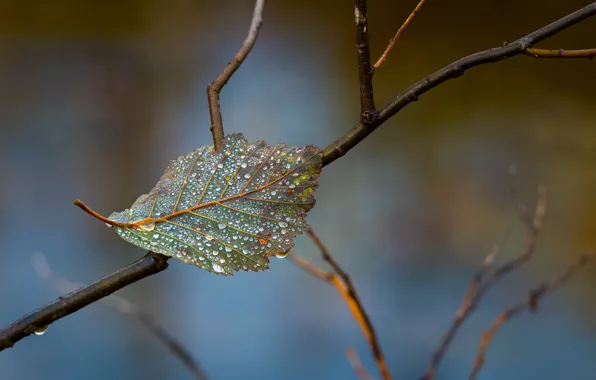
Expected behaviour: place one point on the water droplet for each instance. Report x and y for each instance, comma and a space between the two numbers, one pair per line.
273, 192
155, 236
41, 330
243, 165
201, 258
217, 268
283, 224
221, 226
292, 186
283, 232
281, 255
220, 165
215, 253
109, 225
147, 227
247, 176
209, 237
228, 249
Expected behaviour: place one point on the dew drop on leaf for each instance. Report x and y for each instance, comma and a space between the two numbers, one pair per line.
147, 227
221, 226
283, 224
217, 268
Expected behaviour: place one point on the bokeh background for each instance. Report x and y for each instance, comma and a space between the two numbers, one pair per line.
96, 97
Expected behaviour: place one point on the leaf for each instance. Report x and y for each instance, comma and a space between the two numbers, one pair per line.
228, 210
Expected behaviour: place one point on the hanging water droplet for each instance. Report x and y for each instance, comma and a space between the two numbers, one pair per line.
243, 165
283, 224
281, 255
217, 268
109, 225
221, 226
41, 330
147, 227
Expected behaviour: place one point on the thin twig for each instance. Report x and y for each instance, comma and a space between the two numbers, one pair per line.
214, 88
357, 364
397, 35
350, 139
128, 308
365, 72
479, 286
531, 304
468, 305
342, 282
561, 53
150, 264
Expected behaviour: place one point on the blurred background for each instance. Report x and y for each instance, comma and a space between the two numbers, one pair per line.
96, 97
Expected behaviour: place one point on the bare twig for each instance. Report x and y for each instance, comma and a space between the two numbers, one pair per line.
342, 282
128, 308
560, 53
150, 264
214, 88
479, 286
365, 73
531, 304
397, 35
456, 69
357, 365
468, 304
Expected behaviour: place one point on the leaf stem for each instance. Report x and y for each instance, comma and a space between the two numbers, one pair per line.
97, 215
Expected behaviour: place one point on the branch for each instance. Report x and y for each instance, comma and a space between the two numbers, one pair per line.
215, 87
342, 282
128, 308
479, 286
560, 53
531, 304
456, 69
468, 304
357, 365
397, 35
39, 319
365, 72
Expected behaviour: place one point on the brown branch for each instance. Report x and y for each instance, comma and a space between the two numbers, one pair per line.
456, 69
468, 304
365, 72
342, 282
150, 264
397, 35
560, 53
479, 286
128, 308
215, 87
531, 304
357, 365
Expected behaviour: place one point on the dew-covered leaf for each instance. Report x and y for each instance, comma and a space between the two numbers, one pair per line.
228, 210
